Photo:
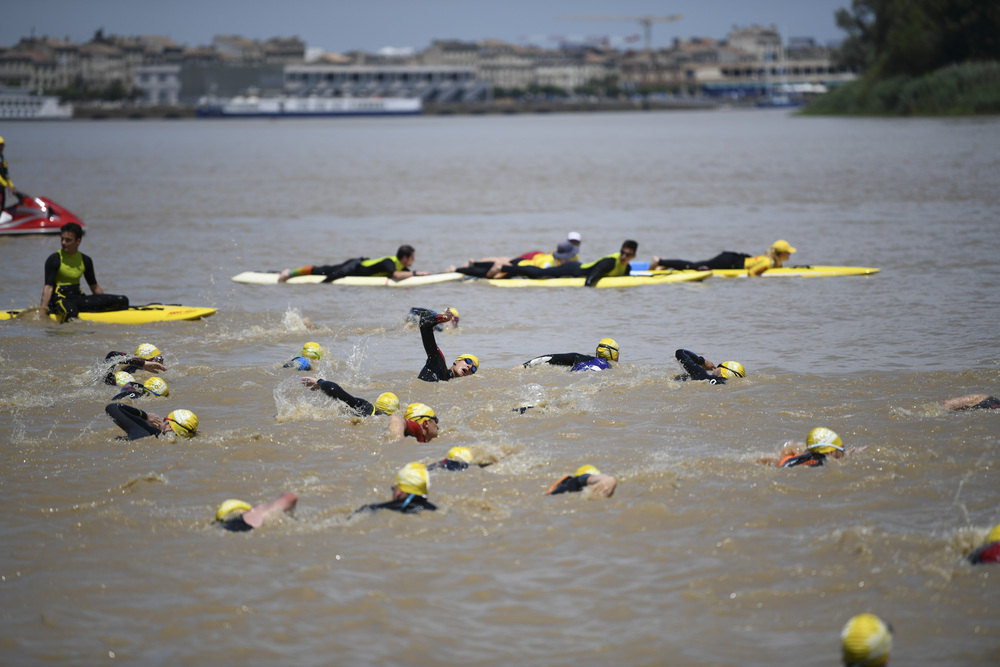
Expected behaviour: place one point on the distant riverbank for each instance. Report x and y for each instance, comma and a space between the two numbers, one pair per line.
958, 90
125, 112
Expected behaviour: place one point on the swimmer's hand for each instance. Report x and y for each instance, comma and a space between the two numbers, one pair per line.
312, 383
153, 366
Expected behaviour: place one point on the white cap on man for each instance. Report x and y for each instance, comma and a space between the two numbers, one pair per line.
574, 238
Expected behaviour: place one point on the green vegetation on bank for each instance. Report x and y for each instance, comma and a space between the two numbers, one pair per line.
919, 57
966, 89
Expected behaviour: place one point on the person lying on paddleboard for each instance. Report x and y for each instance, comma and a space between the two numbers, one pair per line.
820, 444
138, 423
132, 388
386, 404
972, 402
775, 256
9, 196
409, 493
607, 353
147, 357
310, 352
586, 477
418, 421
990, 551
494, 267
397, 268
63, 270
616, 264
436, 369
700, 368
238, 516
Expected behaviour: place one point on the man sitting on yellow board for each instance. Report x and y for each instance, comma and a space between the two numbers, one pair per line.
777, 254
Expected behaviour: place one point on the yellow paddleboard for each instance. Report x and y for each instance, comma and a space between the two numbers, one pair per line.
135, 315
783, 272
663, 278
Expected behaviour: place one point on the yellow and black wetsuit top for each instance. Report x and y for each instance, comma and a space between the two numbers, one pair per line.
607, 266
64, 270
383, 266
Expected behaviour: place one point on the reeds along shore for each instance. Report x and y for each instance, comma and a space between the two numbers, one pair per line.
957, 90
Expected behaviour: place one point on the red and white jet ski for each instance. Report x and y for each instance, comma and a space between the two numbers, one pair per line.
35, 215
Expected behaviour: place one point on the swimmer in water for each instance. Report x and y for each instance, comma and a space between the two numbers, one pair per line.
147, 357
436, 369
310, 352
238, 516
698, 367
409, 493
131, 388
586, 477
866, 641
990, 551
139, 424
418, 421
386, 404
972, 402
607, 354
821, 443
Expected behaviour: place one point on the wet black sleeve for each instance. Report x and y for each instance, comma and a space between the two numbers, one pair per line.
131, 420
436, 368
334, 390
598, 270
51, 269
88, 270
564, 359
570, 485
692, 363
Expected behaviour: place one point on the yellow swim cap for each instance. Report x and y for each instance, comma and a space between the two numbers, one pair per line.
122, 378
185, 422
147, 351
732, 369
418, 412
460, 454
866, 640
782, 246
608, 349
229, 506
823, 441
994, 535
312, 351
412, 478
454, 311
156, 386
586, 470
387, 402
472, 358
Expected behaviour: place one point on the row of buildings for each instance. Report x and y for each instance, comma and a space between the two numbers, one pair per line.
165, 73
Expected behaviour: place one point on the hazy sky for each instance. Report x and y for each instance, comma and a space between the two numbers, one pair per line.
369, 25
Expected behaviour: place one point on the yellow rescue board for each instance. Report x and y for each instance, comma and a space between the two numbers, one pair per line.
134, 315
663, 278
784, 272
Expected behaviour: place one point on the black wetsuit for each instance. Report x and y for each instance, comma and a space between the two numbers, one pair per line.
576, 361
988, 403
411, 504
356, 267
570, 485
593, 271
360, 406
69, 300
130, 390
811, 459
236, 525
692, 363
435, 368
129, 363
724, 260
131, 420
448, 464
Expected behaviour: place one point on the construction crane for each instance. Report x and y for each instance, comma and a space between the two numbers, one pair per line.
645, 21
